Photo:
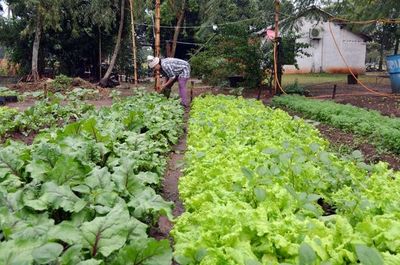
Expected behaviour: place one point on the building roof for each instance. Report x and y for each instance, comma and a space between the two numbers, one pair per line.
317, 13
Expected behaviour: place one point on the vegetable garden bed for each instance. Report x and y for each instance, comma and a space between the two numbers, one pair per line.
43, 115
381, 130
87, 193
254, 185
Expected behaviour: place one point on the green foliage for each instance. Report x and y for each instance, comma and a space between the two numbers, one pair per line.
79, 93
5, 92
382, 130
295, 88
233, 52
44, 114
253, 187
85, 193
62, 82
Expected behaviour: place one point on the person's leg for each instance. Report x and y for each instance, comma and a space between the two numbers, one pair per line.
182, 91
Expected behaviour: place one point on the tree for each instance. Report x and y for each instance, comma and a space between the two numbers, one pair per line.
104, 80
41, 15
178, 8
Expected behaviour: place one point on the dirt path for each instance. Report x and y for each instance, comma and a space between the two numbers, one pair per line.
170, 186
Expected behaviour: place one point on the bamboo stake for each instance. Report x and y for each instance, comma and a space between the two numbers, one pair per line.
135, 76
157, 43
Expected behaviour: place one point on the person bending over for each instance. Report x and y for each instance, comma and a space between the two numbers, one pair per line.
174, 70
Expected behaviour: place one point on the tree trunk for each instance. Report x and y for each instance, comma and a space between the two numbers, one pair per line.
381, 53
157, 44
36, 47
181, 17
135, 75
104, 80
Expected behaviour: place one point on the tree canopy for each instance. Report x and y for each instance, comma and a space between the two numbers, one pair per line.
72, 36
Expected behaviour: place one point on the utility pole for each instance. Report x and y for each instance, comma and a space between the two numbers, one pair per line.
276, 48
135, 76
157, 44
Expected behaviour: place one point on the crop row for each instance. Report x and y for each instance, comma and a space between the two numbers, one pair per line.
260, 188
44, 114
86, 194
382, 130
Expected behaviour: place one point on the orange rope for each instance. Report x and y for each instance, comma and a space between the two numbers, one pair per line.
351, 71
379, 20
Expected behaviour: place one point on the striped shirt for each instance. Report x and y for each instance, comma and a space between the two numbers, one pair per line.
173, 67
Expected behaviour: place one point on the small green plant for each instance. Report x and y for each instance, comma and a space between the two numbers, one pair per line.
82, 94
62, 82
295, 88
5, 92
115, 94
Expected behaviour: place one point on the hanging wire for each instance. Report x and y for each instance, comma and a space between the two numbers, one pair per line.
349, 68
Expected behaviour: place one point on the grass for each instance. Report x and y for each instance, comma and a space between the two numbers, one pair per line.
313, 79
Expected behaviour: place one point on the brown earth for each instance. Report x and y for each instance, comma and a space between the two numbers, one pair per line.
170, 190
389, 106
339, 138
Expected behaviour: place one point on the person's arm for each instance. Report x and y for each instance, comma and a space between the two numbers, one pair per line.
168, 83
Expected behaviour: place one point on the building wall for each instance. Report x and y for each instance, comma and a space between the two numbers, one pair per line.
324, 54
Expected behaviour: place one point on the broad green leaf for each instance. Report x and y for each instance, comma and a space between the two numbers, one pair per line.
260, 194
248, 173
62, 197
307, 255
73, 176
368, 256
148, 177
100, 178
90, 262
106, 234
125, 178
71, 256
90, 127
66, 232
38, 205
18, 252
145, 252
47, 253
200, 254
147, 202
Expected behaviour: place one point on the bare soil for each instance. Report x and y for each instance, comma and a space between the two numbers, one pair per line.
170, 190
389, 106
386, 103
371, 154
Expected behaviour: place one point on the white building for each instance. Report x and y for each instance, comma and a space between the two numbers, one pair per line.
324, 55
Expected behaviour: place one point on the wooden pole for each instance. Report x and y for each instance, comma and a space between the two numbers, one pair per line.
277, 9
100, 74
157, 44
334, 91
135, 76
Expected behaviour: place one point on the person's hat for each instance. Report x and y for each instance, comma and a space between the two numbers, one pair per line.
152, 61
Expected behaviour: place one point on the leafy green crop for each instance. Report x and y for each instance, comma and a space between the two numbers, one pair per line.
382, 130
86, 193
44, 114
5, 92
254, 186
